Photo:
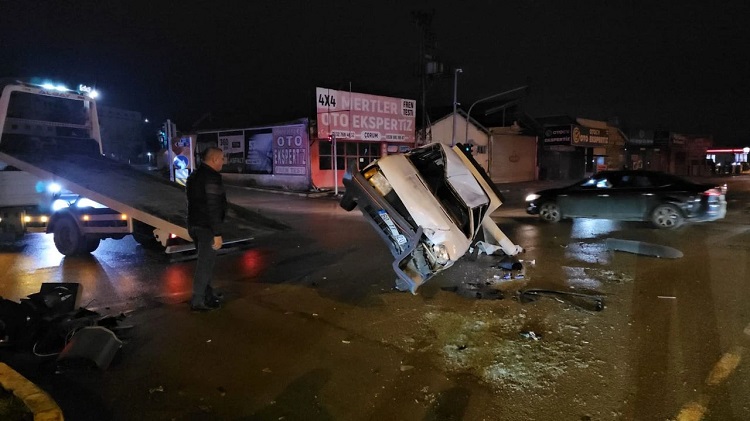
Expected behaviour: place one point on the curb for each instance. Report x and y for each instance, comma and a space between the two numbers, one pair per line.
38, 401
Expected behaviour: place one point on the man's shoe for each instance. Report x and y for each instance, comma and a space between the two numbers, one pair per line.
213, 302
214, 295
202, 308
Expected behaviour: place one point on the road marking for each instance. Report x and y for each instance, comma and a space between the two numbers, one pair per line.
694, 411
725, 366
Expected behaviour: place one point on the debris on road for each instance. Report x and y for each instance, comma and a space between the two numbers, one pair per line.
580, 300
531, 335
50, 323
643, 248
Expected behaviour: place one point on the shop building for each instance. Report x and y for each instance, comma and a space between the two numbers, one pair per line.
728, 160
507, 154
647, 149
674, 153
579, 148
351, 129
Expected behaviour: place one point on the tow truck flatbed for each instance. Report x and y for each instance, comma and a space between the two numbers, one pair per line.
139, 195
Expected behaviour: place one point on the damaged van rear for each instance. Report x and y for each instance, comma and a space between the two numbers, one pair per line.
429, 205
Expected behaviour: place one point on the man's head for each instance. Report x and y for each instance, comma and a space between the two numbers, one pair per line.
214, 158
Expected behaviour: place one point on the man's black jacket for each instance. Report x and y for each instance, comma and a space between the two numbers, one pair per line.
207, 200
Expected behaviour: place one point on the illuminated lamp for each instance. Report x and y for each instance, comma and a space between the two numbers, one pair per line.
53, 188
59, 204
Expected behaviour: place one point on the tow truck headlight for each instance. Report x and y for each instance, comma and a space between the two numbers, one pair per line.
53, 188
59, 204
532, 197
88, 203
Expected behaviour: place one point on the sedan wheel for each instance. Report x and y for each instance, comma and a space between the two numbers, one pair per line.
550, 212
666, 216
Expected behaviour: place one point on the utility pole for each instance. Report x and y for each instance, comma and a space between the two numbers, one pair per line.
427, 64
455, 103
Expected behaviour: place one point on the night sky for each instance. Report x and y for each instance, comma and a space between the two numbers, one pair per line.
681, 66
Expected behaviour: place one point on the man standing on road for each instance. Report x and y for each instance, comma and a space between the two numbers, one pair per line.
207, 206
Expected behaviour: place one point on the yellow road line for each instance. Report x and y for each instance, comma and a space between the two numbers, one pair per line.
725, 366
694, 411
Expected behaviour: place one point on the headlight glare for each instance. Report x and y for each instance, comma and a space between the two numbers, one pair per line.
441, 252
532, 197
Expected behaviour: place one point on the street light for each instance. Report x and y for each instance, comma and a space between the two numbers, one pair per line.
468, 115
455, 102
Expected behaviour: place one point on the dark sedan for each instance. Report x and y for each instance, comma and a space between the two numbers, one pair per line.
663, 199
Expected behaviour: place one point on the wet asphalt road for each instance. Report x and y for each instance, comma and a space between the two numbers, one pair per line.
312, 329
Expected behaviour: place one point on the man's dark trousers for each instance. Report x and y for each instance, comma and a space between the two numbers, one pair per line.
204, 267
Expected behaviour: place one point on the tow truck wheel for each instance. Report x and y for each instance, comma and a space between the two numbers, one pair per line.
91, 244
68, 240
144, 235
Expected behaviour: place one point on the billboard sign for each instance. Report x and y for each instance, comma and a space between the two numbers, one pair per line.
641, 137
357, 116
290, 150
233, 146
557, 135
589, 136
278, 150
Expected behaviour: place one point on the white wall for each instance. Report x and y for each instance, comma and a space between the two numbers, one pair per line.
513, 157
442, 132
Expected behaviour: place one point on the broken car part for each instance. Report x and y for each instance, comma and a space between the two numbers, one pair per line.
643, 248
429, 205
583, 301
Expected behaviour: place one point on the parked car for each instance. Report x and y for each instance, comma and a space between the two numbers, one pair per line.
632, 195
429, 205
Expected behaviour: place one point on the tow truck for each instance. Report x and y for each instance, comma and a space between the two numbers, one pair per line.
54, 178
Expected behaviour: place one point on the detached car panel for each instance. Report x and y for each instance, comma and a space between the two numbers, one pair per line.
664, 199
429, 206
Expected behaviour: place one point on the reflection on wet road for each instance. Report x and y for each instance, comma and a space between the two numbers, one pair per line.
314, 308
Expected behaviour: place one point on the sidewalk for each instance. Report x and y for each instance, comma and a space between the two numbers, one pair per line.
37, 401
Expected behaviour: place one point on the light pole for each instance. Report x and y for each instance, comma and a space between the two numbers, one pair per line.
468, 115
455, 103
335, 167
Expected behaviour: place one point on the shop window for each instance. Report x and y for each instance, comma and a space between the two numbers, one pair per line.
361, 152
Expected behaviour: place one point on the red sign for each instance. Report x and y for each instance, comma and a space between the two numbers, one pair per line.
357, 116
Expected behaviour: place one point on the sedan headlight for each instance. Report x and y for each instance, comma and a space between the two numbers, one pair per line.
532, 197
